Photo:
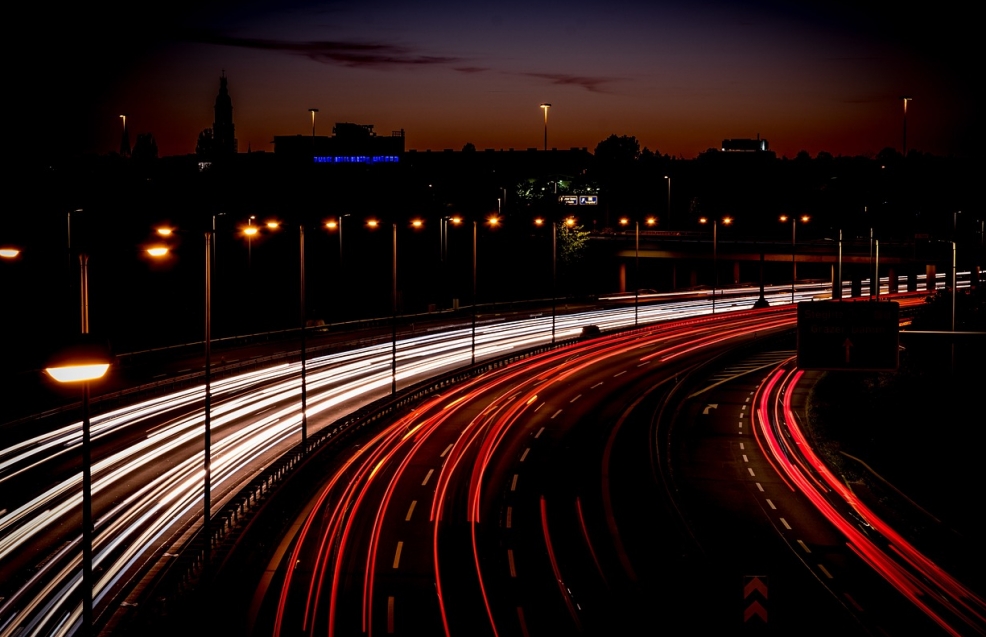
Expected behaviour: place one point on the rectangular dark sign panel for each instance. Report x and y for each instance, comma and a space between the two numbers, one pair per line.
849, 335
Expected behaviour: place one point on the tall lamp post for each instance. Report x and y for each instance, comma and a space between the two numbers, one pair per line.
715, 254
83, 364
546, 106
668, 177
794, 224
303, 317
905, 99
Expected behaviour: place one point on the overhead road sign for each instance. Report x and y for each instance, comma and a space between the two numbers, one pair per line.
848, 335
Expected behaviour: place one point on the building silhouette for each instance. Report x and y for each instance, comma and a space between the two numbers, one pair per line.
223, 131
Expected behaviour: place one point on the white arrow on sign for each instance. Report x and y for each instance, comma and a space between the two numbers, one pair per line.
710, 406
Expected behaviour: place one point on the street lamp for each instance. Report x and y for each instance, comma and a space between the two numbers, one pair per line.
84, 363
546, 106
636, 266
250, 231
794, 267
905, 99
313, 111
715, 254
9, 252
668, 177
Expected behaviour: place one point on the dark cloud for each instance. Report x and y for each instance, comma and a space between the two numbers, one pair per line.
352, 54
593, 84
471, 69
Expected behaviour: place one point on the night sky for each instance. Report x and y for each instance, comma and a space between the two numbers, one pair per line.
680, 76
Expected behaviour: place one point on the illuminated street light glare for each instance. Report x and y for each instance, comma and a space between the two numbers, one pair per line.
456, 220
9, 253
157, 251
273, 225
78, 373
570, 222
651, 221
373, 223
417, 223
493, 221
331, 225
539, 221
624, 221
250, 231
165, 231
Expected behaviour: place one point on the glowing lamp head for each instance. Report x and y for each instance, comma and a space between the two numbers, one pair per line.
372, 223
251, 231
157, 251
165, 231
456, 220
805, 218
84, 360
703, 220
651, 221
727, 220
9, 253
783, 218
493, 221
332, 225
273, 225
624, 221
539, 221
570, 222
417, 223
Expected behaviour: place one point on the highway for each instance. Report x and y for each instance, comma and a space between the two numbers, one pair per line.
147, 472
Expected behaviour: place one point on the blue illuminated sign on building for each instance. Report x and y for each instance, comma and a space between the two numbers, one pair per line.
357, 159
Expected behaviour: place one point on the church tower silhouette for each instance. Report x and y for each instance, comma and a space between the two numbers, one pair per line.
223, 134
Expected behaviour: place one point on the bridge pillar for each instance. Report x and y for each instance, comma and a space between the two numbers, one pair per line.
912, 281
857, 286
623, 277
976, 276
931, 277
892, 280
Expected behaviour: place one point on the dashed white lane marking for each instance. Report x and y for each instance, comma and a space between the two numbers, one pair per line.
596, 385
750, 469
510, 516
760, 486
747, 399
822, 568
555, 414
741, 424
539, 406
427, 477
510, 561
619, 373
804, 546
772, 506
523, 456
574, 399
410, 510
741, 446
644, 363
397, 556
442, 454
786, 525
540, 431
745, 459
513, 483
743, 408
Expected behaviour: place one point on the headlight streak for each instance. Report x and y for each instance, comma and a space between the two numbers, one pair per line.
334, 379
